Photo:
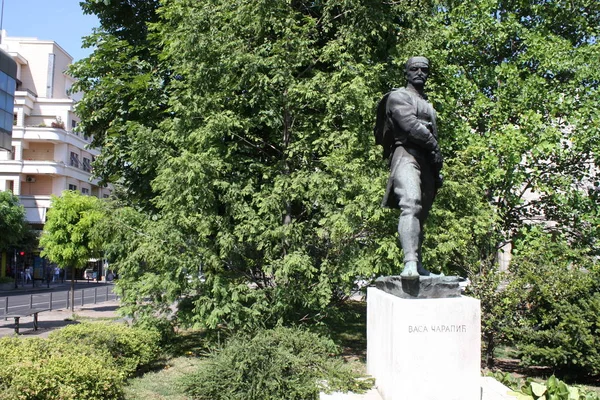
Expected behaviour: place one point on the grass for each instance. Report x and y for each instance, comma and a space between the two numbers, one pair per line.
182, 356
162, 384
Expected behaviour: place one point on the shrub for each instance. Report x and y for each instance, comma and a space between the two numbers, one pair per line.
131, 348
34, 368
281, 363
560, 287
553, 388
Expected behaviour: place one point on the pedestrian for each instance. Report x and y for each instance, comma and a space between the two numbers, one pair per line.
56, 274
28, 274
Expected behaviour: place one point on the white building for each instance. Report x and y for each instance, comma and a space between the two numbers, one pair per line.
47, 156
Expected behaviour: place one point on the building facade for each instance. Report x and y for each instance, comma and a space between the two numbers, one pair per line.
47, 155
8, 83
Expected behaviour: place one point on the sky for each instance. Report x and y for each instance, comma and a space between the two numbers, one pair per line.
58, 20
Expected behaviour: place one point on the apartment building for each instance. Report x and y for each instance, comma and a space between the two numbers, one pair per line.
46, 156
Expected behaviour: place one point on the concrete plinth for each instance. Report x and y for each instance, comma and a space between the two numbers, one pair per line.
424, 349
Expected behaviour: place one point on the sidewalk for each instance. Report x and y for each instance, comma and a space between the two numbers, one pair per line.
66, 285
55, 319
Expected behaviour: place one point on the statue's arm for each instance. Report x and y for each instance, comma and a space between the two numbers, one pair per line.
403, 113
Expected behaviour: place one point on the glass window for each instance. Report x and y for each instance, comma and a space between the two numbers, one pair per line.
10, 103
3, 81
12, 85
2, 100
8, 121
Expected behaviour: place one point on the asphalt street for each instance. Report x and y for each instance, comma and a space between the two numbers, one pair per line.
55, 298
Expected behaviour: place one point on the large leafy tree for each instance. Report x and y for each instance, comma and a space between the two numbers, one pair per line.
12, 220
241, 133
125, 95
69, 238
14, 226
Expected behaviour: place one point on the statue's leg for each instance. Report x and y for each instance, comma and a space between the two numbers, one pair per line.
407, 187
427, 197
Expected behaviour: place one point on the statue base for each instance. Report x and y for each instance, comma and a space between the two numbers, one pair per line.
425, 349
425, 287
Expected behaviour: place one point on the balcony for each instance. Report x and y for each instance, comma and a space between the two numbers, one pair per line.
52, 168
48, 134
35, 208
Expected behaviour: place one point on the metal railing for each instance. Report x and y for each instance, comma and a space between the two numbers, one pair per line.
58, 300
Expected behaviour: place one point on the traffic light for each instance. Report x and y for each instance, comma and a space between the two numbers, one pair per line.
22, 254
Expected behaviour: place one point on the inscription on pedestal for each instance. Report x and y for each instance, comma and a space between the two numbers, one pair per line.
437, 328
414, 342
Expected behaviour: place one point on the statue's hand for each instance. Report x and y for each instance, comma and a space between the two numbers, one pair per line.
437, 159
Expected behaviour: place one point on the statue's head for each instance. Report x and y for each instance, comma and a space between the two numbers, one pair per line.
416, 71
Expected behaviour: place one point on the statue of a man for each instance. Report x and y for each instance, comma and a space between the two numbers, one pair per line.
406, 128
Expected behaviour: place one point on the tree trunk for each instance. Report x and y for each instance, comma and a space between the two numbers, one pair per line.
489, 351
73, 289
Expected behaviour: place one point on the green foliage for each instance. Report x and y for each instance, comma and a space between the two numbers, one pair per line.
12, 221
43, 370
275, 364
83, 361
239, 135
552, 389
499, 305
68, 238
130, 348
561, 302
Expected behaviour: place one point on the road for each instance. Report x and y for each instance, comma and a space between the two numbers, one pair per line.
56, 298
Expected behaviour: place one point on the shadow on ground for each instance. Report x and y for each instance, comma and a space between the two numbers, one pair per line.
26, 328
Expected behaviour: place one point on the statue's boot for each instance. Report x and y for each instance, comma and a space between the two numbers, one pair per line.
410, 270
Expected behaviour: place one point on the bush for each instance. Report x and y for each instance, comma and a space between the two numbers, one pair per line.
560, 287
131, 348
281, 363
553, 388
38, 369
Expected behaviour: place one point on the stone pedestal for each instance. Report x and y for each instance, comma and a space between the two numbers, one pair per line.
424, 349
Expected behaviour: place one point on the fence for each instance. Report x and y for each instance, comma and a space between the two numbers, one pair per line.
57, 301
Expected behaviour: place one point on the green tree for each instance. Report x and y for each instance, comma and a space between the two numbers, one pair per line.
18, 234
68, 238
125, 97
559, 306
241, 134
12, 221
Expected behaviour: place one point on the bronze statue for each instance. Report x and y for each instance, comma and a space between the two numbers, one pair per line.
406, 128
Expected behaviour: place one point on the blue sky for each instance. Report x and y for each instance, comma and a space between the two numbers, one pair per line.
58, 20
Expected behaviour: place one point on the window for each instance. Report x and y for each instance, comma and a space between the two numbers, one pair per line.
7, 91
85, 191
74, 162
72, 187
87, 166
